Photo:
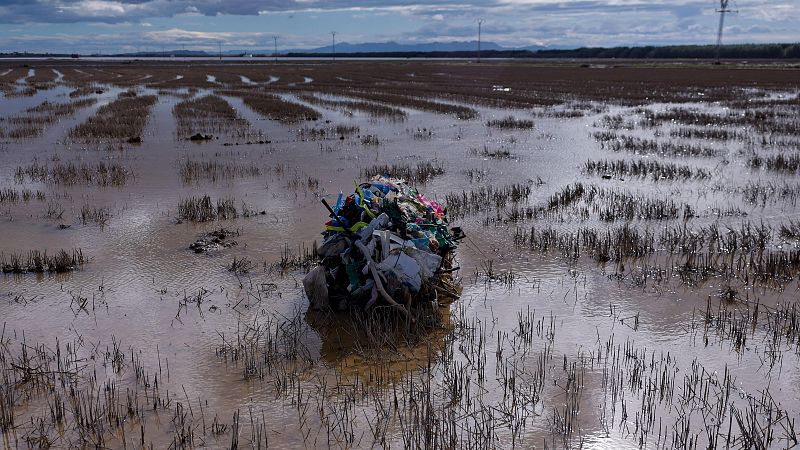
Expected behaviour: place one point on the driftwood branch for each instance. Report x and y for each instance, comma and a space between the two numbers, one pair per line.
378, 283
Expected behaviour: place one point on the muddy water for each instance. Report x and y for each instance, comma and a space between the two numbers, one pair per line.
176, 310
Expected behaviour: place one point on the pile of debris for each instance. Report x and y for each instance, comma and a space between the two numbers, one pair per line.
385, 245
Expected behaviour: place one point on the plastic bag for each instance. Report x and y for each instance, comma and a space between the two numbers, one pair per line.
316, 288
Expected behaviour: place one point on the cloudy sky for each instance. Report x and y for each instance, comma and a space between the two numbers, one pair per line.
128, 25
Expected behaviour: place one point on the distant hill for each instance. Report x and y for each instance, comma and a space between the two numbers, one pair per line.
344, 47
178, 53
393, 47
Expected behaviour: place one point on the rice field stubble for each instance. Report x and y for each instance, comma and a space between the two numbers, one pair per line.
629, 274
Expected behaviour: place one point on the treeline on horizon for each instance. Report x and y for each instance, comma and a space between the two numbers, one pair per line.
739, 51
736, 51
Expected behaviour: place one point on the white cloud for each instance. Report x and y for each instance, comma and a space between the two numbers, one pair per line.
97, 8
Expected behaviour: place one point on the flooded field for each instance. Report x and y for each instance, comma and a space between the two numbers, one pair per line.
629, 276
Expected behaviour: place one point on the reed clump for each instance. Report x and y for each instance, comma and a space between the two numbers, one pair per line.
503, 152
340, 132
614, 204
422, 172
574, 201
69, 174
612, 244
307, 183
485, 199
711, 133
241, 265
94, 215
9, 195
781, 162
192, 171
764, 120
510, 122
655, 170
790, 230
36, 261
769, 192
641, 146
203, 209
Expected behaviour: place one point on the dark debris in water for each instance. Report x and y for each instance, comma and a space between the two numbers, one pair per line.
215, 240
201, 137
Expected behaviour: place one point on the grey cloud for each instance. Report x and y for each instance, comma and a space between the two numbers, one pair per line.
61, 11
509, 22
66, 11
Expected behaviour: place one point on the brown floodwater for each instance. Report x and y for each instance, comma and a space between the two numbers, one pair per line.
546, 350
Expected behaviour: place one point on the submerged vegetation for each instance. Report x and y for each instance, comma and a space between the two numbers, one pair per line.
34, 120
274, 107
372, 108
208, 115
406, 101
122, 119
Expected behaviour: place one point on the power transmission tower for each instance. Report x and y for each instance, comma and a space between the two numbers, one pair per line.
275, 39
333, 39
723, 8
480, 22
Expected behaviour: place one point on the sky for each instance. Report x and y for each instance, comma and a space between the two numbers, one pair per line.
108, 26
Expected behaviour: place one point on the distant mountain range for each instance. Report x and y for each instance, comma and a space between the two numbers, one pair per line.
367, 47
388, 47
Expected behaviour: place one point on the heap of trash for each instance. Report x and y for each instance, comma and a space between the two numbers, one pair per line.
385, 245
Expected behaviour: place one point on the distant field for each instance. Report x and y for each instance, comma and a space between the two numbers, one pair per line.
628, 278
